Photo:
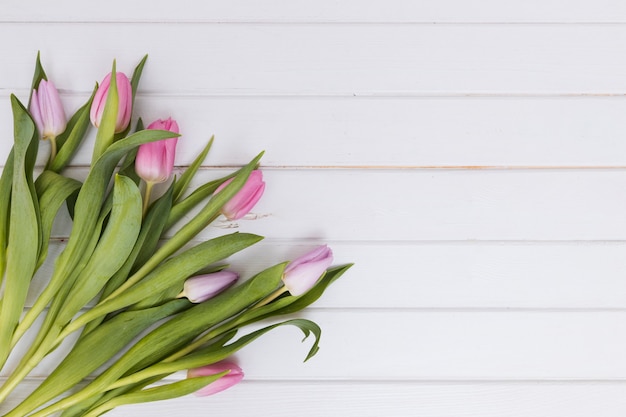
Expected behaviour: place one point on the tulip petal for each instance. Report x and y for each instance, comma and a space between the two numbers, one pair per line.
203, 287
246, 198
233, 377
302, 273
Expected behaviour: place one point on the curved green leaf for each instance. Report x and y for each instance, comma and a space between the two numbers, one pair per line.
113, 249
23, 242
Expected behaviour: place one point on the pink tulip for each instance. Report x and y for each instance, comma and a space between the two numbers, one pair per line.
302, 273
246, 198
233, 377
125, 94
202, 287
47, 110
155, 160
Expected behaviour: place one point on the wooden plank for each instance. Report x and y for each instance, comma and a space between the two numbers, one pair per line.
342, 59
400, 11
393, 399
418, 205
385, 131
451, 275
407, 345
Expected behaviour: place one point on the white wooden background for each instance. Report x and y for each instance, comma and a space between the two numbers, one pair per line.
470, 157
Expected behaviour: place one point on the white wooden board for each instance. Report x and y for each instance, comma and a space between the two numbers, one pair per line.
497, 291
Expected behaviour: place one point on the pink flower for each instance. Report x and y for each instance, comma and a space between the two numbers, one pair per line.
233, 377
302, 273
47, 110
246, 198
125, 94
202, 287
155, 160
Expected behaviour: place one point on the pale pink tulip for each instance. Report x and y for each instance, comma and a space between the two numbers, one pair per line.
155, 160
47, 110
246, 198
302, 273
125, 94
203, 287
233, 377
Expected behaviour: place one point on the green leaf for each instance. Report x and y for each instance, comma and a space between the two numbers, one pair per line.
179, 331
87, 210
70, 140
95, 349
53, 189
219, 351
209, 213
168, 278
151, 229
113, 249
289, 304
5, 203
106, 129
195, 198
38, 75
190, 172
162, 392
23, 242
134, 84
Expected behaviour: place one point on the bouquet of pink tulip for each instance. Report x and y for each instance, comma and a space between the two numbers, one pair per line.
168, 307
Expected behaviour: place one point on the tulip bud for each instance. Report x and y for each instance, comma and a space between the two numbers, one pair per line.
155, 160
125, 94
47, 110
302, 273
246, 198
202, 287
233, 377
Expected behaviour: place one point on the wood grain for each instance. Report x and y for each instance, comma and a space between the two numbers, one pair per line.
397, 11
323, 60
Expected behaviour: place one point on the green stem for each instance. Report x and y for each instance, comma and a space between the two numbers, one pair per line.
19, 374
146, 198
53, 148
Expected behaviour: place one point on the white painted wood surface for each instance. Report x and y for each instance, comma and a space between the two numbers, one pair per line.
476, 292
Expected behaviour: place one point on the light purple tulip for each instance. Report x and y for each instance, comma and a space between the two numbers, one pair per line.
246, 198
202, 287
302, 273
47, 110
233, 377
155, 160
125, 94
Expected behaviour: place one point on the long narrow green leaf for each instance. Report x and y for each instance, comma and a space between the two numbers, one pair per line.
179, 331
87, 209
134, 84
38, 75
5, 203
190, 172
53, 190
290, 304
99, 399
106, 129
23, 242
147, 241
196, 197
172, 274
159, 393
95, 349
220, 351
70, 140
113, 249
195, 225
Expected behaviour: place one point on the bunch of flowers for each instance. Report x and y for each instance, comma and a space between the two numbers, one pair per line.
158, 306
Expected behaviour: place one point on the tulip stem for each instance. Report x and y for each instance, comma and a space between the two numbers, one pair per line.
271, 297
146, 197
53, 147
